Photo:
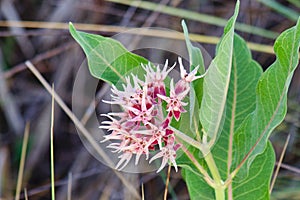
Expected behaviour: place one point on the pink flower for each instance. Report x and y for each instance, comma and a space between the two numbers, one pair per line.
141, 127
155, 79
167, 153
188, 77
141, 112
174, 102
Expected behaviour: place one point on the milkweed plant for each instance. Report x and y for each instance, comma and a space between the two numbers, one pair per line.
231, 109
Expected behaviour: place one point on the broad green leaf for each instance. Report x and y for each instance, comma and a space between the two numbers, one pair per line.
216, 83
240, 102
255, 186
197, 187
271, 96
245, 97
195, 55
107, 58
195, 59
196, 92
240, 107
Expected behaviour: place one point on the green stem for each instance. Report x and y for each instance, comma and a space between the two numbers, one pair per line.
219, 185
204, 147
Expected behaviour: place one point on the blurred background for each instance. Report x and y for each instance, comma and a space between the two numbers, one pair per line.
37, 30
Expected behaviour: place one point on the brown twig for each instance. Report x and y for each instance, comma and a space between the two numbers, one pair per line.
38, 32
279, 163
167, 183
288, 167
38, 58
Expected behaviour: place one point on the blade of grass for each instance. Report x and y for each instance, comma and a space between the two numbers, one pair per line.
116, 29
80, 126
51, 146
143, 192
279, 163
62, 26
69, 196
22, 161
295, 2
25, 194
186, 14
285, 11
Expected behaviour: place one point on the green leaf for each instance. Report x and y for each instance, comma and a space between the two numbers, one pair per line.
196, 92
271, 96
108, 59
257, 183
198, 188
252, 182
240, 102
225, 47
255, 186
195, 54
255, 104
216, 83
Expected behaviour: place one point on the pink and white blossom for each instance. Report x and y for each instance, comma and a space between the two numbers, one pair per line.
141, 127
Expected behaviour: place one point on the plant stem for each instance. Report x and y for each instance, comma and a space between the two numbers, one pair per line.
206, 176
204, 147
219, 185
187, 139
220, 193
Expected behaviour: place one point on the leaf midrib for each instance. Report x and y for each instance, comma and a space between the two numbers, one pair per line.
232, 124
219, 118
274, 113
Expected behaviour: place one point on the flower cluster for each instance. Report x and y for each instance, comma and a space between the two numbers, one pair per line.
142, 126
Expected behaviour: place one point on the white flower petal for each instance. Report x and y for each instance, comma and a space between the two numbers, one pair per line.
137, 157
163, 164
125, 158
158, 155
182, 70
172, 159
